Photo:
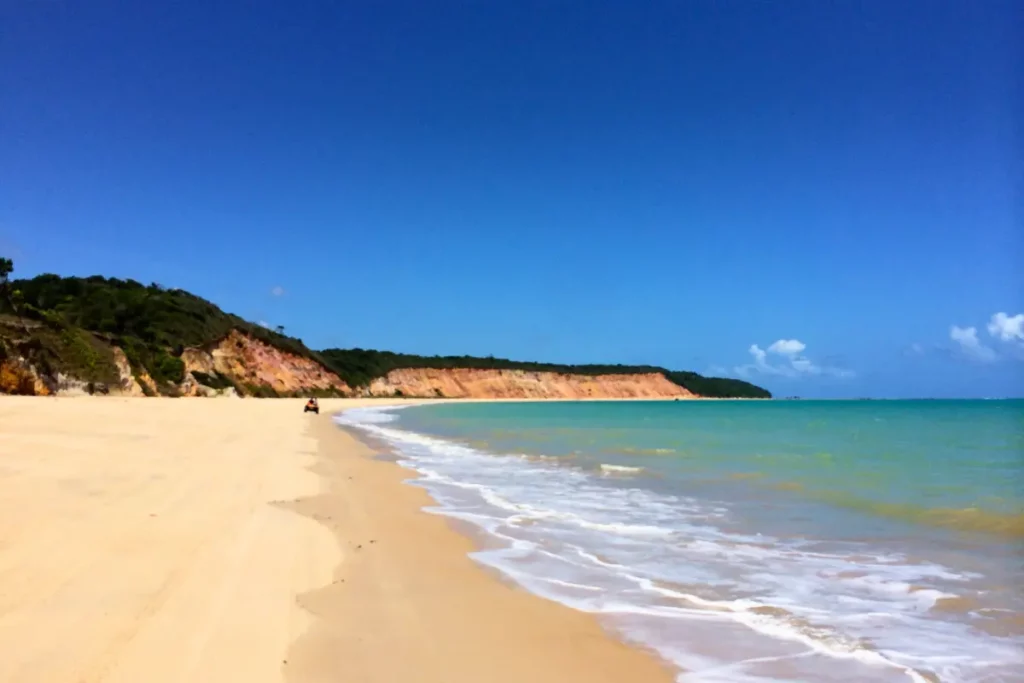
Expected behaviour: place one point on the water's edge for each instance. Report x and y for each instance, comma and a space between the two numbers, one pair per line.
481, 541
551, 553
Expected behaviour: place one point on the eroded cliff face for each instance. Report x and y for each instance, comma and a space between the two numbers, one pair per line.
251, 362
255, 367
129, 384
247, 362
469, 383
18, 376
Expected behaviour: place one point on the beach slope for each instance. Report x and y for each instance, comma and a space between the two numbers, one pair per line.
177, 540
140, 540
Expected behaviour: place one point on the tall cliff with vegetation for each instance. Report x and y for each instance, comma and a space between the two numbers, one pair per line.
96, 334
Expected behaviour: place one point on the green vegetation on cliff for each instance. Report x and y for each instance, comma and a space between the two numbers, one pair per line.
716, 387
67, 324
52, 350
150, 323
358, 367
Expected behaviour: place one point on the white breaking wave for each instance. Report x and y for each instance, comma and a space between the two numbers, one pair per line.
657, 565
620, 469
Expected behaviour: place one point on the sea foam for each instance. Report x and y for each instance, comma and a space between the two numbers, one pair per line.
666, 571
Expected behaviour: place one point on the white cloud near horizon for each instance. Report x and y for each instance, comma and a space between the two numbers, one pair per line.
970, 345
791, 362
277, 291
1007, 328
789, 347
1002, 327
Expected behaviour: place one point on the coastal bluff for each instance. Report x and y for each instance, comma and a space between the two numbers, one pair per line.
240, 365
105, 336
472, 383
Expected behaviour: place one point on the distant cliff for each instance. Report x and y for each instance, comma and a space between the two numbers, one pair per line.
378, 372
100, 335
472, 383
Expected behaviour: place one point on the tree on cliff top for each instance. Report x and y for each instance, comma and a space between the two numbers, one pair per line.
6, 268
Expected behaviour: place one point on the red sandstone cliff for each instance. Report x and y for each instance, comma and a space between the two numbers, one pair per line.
470, 383
252, 363
254, 367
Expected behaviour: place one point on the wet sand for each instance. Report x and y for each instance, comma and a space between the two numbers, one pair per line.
214, 540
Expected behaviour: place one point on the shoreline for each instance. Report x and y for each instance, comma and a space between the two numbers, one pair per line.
163, 540
167, 540
559, 528
407, 602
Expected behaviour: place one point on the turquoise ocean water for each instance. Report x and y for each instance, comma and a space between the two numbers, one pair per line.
750, 541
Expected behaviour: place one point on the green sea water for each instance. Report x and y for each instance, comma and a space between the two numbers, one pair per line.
886, 534
957, 464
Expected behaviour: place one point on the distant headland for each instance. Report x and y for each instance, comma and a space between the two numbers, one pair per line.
102, 335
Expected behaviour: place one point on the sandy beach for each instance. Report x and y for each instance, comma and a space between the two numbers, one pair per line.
240, 540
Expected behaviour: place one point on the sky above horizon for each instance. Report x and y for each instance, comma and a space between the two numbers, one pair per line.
822, 198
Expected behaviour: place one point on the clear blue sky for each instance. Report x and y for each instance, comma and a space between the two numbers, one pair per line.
661, 182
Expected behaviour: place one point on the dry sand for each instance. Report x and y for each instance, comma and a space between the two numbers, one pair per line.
240, 540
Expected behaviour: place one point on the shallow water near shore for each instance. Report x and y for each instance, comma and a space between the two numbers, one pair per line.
750, 541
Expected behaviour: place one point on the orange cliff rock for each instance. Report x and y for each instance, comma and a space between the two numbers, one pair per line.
471, 383
253, 364
249, 361
18, 377
130, 385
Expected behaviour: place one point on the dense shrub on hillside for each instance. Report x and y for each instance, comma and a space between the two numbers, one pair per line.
55, 348
717, 387
152, 324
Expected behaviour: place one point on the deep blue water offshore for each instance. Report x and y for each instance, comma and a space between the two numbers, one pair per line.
750, 540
